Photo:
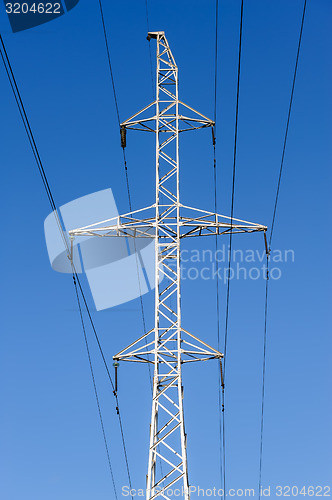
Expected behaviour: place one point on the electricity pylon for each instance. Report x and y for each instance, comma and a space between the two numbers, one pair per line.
168, 222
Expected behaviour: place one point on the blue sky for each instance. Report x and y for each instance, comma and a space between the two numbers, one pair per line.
51, 442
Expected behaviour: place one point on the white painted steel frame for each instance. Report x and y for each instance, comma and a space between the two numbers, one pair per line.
167, 221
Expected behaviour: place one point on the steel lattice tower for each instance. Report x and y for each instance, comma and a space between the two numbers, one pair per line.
167, 221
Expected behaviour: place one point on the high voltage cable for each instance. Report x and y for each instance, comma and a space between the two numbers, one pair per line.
232, 212
287, 124
42, 173
269, 248
220, 387
124, 161
94, 386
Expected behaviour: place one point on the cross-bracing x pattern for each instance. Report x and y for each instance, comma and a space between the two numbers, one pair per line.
167, 221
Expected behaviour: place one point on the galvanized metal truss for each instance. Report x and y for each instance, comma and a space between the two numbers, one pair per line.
167, 221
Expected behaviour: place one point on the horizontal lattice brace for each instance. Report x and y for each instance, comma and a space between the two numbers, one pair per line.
168, 338
165, 389
167, 247
167, 475
169, 359
173, 371
171, 196
165, 76
165, 351
163, 382
162, 439
173, 242
173, 368
164, 378
166, 127
166, 212
171, 338
167, 487
161, 358
166, 114
169, 104
169, 375
164, 67
172, 349
166, 101
168, 118
167, 231
162, 331
155, 452
169, 83
167, 124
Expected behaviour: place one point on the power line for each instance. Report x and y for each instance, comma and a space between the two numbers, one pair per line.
287, 124
26, 123
125, 161
269, 249
232, 212
263, 376
220, 386
94, 387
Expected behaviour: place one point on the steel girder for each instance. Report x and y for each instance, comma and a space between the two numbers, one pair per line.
167, 221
